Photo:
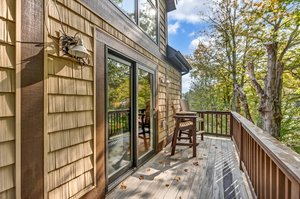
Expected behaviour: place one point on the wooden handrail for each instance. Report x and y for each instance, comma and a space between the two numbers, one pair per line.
272, 168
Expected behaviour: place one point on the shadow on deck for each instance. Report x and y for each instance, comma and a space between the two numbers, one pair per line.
214, 173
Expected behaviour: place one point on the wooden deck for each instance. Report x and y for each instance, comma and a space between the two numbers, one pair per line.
214, 173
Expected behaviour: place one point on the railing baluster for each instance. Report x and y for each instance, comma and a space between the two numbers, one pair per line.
202, 122
216, 115
222, 124
118, 122
212, 123
226, 124
207, 123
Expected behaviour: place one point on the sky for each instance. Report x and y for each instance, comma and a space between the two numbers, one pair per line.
184, 25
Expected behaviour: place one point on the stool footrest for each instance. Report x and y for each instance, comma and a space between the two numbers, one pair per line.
186, 144
183, 138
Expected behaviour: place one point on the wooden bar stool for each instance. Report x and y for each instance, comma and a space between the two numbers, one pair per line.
185, 128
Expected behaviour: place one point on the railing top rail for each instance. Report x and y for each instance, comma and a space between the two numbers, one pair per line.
216, 112
117, 111
283, 156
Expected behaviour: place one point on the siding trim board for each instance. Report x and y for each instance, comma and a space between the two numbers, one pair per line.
32, 103
99, 190
18, 99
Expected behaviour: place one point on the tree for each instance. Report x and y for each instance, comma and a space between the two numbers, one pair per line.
262, 38
225, 22
276, 25
211, 78
227, 52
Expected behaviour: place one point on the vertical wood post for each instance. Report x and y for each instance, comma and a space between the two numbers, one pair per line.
32, 99
202, 122
241, 145
231, 126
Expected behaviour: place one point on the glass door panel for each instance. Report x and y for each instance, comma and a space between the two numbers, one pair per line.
119, 109
145, 109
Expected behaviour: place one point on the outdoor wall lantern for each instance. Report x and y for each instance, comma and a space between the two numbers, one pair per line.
164, 80
74, 47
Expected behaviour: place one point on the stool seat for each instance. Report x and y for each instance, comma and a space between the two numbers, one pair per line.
185, 124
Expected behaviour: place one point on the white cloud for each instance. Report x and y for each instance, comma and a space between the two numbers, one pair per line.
203, 39
186, 82
191, 11
194, 43
172, 28
192, 34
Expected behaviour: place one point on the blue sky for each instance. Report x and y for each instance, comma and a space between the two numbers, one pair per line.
186, 37
184, 25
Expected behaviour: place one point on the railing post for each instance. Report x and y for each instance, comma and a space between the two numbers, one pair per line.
202, 122
241, 144
231, 126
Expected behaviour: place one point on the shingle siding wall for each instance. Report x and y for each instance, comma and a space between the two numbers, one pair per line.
7, 99
70, 96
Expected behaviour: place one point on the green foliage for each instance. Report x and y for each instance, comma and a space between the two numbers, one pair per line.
119, 85
240, 30
144, 88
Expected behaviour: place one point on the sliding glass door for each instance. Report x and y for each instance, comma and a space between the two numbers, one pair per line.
145, 93
129, 115
119, 117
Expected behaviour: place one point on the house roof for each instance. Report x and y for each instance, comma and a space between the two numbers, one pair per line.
171, 5
178, 60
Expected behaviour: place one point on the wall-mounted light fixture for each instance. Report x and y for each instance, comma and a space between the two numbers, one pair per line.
163, 80
74, 47
78, 50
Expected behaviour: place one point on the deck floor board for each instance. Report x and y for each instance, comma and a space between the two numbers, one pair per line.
214, 173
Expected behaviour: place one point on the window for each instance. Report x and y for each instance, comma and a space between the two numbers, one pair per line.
128, 6
143, 13
147, 18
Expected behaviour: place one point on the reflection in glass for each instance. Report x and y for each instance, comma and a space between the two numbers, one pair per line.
119, 109
128, 6
147, 19
145, 106
154, 2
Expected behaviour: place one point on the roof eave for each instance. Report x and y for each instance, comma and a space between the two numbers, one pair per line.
178, 60
171, 5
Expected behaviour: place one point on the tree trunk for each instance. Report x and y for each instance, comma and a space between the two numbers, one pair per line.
244, 101
270, 105
234, 101
270, 96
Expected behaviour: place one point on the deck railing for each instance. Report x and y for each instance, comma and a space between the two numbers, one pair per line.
272, 168
214, 122
118, 122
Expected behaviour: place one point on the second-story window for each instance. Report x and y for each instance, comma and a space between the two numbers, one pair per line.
148, 19
128, 6
143, 13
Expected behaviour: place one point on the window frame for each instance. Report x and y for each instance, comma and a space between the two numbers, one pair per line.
137, 15
156, 20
